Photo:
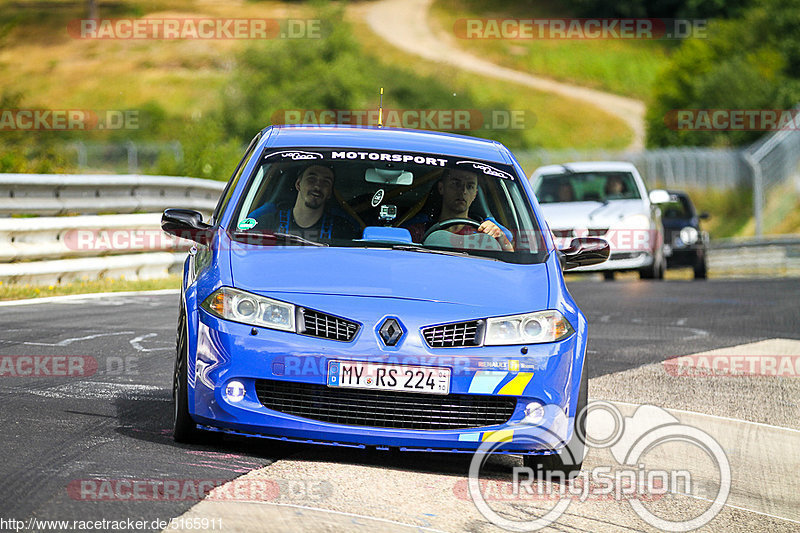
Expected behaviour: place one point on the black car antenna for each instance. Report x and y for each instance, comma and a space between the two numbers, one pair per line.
380, 110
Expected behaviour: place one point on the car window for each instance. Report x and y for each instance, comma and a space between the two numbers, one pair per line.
237, 174
389, 199
586, 187
678, 207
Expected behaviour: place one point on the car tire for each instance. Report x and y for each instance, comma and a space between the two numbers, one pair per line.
608, 275
700, 268
184, 429
570, 459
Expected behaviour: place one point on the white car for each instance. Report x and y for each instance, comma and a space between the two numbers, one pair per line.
605, 199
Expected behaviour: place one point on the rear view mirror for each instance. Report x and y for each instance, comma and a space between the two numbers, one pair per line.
389, 177
584, 251
186, 224
659, 196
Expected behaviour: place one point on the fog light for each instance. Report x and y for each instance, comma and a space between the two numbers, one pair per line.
234, 392
534, 413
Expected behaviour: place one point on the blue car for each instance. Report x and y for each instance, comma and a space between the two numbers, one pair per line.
381, 288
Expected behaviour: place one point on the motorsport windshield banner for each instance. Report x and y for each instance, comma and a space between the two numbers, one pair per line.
390, 159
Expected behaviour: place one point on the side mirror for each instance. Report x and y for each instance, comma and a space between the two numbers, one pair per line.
659, 196
704, 216
584, 251
186, 224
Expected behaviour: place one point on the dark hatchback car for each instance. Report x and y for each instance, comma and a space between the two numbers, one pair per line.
685, 241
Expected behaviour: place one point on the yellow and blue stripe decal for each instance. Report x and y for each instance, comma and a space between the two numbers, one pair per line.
516, 386
486, 381
501, 435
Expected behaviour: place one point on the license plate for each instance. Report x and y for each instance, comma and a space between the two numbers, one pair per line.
379, 376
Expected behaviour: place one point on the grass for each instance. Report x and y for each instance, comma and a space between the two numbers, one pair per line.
551, 121
781, 213
21, 292
626, 67
51, 70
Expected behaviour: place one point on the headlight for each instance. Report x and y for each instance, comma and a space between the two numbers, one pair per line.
240, 306
530, 328
635, 222
689, 235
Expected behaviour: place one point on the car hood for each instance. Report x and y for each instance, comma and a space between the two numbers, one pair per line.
384, 273
566, 215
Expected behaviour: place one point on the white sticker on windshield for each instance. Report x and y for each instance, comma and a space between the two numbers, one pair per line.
377, 198
296, 155
487, 169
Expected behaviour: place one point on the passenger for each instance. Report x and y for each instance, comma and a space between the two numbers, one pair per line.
458, 189
310, 217
615, 188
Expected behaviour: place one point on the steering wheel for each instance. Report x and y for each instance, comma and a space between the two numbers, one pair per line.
450, 222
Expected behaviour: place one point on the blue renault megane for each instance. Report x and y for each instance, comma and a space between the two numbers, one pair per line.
381, 288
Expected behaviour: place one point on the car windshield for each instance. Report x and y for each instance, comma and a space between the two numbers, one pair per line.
586, 187
677, 207
429, 203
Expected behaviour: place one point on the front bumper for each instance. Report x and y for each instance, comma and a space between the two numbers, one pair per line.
548, 374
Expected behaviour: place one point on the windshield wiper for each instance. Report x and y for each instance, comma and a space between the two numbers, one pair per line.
254, 237
418, 248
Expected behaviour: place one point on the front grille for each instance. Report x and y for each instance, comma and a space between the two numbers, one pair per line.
453, 335
327, 326
385, 409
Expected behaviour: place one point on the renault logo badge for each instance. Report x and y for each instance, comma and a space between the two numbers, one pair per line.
391, 332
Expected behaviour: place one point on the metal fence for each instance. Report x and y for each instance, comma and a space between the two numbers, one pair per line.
670, 167
770, 166
129, 156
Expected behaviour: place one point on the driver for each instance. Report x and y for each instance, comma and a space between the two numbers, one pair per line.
458, 189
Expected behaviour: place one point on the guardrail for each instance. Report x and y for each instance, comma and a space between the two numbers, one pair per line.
53, 249
60, 194
777, 256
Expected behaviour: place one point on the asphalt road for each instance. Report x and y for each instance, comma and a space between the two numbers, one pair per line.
113, 423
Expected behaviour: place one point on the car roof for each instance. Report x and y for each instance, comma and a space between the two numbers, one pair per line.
588, 166
365, 137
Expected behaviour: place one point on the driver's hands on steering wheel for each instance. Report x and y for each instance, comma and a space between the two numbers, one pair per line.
490, 228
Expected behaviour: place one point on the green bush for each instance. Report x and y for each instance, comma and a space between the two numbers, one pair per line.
331, 73
748, 63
